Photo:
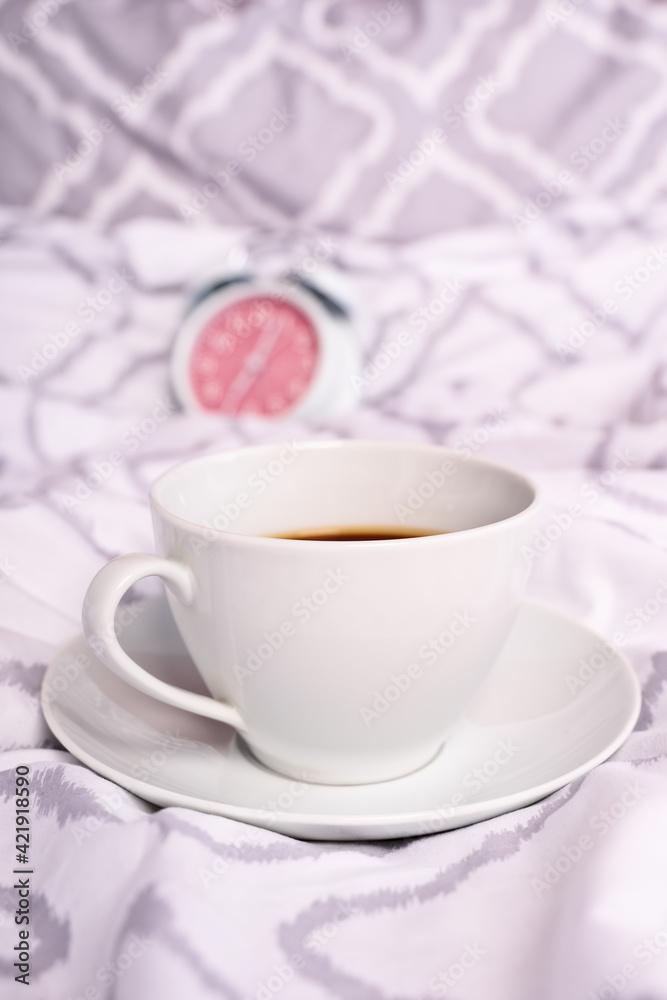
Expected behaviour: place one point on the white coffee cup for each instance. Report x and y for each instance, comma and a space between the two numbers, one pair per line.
338, 662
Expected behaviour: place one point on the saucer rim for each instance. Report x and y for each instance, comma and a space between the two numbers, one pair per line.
457, 816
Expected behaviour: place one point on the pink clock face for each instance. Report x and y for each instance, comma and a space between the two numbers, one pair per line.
257, 355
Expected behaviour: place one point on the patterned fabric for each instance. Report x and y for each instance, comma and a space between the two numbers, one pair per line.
492, 177
329, 110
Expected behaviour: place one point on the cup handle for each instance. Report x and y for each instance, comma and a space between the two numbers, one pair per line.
99, 607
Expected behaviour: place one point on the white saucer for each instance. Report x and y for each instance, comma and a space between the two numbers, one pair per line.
528, 734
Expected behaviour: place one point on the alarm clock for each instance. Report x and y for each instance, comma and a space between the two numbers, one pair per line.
269, 347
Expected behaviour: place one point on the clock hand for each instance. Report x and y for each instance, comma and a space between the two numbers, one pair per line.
256, 360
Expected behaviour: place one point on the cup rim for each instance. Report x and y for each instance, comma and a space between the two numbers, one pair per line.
235, 537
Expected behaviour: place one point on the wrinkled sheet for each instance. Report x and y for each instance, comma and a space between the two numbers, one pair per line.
109, 871
526, 366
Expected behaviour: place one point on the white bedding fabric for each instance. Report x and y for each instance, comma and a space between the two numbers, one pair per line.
109, 871
119, 908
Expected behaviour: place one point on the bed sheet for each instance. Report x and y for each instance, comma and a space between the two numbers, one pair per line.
487, 376
552, 357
